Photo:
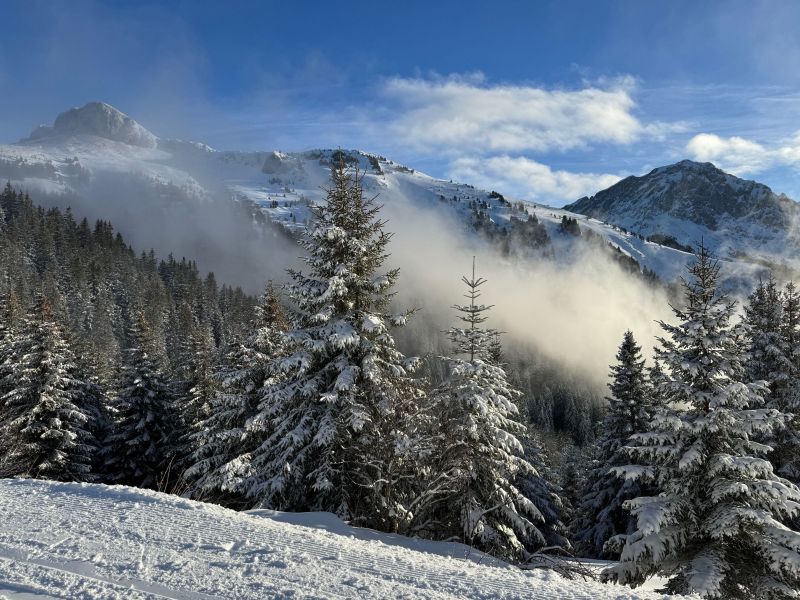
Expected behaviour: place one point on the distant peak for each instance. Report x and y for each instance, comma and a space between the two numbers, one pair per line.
100, 119
697, 165
687, 164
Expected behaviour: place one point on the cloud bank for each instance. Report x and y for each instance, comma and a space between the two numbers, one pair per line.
496, 135
526, 177
742, 156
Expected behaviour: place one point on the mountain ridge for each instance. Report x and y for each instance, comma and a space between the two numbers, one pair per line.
97, 144
690, 200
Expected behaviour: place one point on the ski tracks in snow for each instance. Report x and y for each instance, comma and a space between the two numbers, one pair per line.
82, 541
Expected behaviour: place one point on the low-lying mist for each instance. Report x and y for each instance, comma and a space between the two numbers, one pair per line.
573, 312
219, 233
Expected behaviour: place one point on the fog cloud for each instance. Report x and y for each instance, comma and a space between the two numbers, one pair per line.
574, 312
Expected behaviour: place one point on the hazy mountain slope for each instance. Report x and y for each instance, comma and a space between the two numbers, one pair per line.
690, 201
98, 153
69, 540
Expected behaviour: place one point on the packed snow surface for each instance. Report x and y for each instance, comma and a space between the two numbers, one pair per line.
69, 540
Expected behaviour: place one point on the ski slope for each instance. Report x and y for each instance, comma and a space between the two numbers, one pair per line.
78, 541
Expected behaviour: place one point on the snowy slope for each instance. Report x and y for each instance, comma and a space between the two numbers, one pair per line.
66, 540
97, 142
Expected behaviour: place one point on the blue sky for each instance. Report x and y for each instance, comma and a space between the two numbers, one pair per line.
543, 100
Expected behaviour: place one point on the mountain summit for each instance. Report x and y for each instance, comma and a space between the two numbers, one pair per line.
690, 200
99, 119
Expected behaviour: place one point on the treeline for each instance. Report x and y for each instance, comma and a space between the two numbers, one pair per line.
77, 304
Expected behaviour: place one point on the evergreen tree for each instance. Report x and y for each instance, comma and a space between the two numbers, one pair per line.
222, 442
786, 455
333, 413
479, 452
43, 425
540, 488
766, 352
602, 515
142, 443
10, 321
495, 354
715, 529
200, 389
574, 473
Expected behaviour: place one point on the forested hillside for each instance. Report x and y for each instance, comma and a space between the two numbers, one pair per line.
118, 368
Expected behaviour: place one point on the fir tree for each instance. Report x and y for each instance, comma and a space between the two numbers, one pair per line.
766, 352
43, 426
629, 411
480, 455
333, 412
222, 441
715, 529
574, 473
540, 488
200, 389
786, 455
142, 443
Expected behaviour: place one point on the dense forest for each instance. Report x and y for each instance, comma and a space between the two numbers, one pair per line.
117, 367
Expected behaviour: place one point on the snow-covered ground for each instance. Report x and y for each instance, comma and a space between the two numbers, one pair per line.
77, 541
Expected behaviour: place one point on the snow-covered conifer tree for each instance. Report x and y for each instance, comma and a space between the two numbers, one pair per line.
43, 425
336, 415
222, 441
715, 528
142, 445
766, 358
540, 488
602, 515
786, 455
480, 454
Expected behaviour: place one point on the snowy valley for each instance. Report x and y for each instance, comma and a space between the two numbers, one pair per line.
326, 439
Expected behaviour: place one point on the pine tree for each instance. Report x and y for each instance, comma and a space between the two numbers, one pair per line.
715, 529
473, 341
629, 412
766, 351
495, 354
333, 412
222, 440
786, 457
10, 321
43, 426
200, 389
142, 443
573, 475
540, 488
479, 452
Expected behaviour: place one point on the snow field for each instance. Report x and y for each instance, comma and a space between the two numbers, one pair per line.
81, 541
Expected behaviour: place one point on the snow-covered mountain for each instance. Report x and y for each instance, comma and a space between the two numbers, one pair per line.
688, 201
100, 119
71, 540
97, 147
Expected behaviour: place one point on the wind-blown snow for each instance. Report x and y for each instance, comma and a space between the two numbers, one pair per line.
69, 540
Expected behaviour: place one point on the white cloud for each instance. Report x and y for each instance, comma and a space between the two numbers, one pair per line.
742, 156
526, 178
465, 114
